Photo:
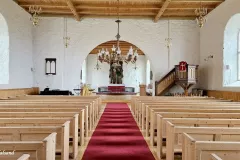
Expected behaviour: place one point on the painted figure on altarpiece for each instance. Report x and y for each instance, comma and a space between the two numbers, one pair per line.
116, 73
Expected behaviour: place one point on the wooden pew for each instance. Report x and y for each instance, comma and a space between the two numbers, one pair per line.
172, 100
174, 136
82, 98
183, 115
93, 108
38, 150
191, 104
88, 109
215, 157
52, 108
26, 122
189, 122
37, 133
151, 111
72, 116
153, 118
141, 109
135, 99
82, 111
198, 148
24, 157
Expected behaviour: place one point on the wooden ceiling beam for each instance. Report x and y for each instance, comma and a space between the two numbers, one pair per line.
115, 14
161, 11
203, 1
179, 9
73, 9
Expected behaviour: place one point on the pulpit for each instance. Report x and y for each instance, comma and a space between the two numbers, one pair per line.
186, 75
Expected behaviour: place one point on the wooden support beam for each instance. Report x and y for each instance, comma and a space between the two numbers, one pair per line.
73, 9
161, 11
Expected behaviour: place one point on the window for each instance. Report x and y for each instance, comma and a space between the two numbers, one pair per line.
4, 51
238, 40
148, 73
84, 72
50, 66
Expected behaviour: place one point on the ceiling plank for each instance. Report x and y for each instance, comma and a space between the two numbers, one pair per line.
136, 9
161, 11
73, 9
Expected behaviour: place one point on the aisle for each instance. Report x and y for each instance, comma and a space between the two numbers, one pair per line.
117, 137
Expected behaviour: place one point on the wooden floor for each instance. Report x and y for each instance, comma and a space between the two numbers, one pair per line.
82, 149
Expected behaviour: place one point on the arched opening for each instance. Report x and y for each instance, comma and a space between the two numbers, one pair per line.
98, 73
4, 51
231, 52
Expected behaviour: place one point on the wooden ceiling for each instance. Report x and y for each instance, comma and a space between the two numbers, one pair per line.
155, 9
123, 45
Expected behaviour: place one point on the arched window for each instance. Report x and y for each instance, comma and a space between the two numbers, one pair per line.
231, 52
148, 75
84, 72
4, 51
238, 55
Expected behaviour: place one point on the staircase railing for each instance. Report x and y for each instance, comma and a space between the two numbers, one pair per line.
165, 82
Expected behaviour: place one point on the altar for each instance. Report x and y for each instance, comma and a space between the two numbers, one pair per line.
116, 89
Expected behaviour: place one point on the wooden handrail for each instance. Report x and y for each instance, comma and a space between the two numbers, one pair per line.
165, 76
165, 82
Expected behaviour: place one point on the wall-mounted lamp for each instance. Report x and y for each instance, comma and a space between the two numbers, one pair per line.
97, 67
209, 57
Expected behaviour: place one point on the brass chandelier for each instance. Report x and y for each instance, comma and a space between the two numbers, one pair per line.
35, 11
201, 15
115, 56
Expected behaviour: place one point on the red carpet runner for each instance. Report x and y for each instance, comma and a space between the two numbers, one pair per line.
117, 137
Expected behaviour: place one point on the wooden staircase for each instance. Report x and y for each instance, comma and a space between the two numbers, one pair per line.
165, 83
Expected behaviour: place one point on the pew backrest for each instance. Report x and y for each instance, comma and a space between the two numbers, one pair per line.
39, 150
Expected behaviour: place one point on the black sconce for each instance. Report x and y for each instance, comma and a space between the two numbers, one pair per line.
50, 66
209, 57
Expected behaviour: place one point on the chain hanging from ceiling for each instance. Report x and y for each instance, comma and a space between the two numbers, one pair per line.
115, 56
168, 41
66, 38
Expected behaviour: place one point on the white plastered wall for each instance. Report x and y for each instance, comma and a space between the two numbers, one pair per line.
212, 43
90, 32
20, 45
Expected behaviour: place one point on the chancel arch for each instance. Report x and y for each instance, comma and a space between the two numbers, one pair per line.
4, 51
130, 74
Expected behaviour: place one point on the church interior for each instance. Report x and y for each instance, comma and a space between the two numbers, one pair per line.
119, 79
